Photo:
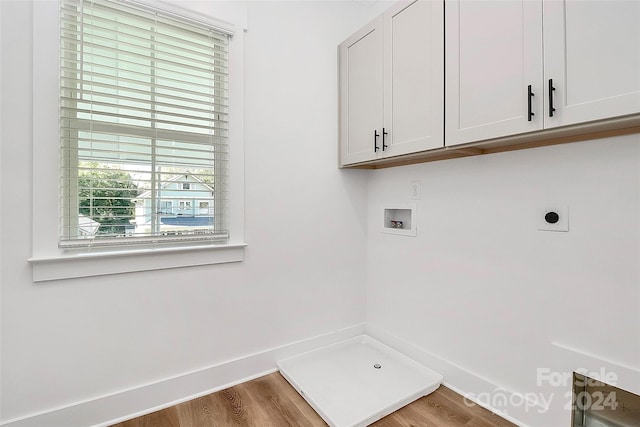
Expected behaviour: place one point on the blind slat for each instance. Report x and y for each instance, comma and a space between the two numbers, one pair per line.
116, 147
117, 73
70, 22
196, 121
74, 125
105, 38
215, 102
72, 76
157, 57
170, 26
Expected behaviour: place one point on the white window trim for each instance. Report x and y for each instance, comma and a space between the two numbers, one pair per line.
52, 263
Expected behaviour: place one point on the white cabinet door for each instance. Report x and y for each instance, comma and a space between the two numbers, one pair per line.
493, 54
391, 84
414, 77
592, 56
361, 94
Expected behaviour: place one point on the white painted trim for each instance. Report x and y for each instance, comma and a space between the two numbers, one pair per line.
457, 378
104, 263
126, 404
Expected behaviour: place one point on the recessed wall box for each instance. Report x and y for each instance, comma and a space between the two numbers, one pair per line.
399, 219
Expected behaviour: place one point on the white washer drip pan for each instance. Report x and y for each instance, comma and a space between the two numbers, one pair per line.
358, 381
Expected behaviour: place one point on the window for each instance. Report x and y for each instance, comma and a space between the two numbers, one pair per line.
166, 207
143, 105
53, 259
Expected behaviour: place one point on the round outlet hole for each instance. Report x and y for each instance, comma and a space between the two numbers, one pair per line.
551, 217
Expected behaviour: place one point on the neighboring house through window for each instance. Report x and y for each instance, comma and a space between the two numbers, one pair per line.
178, 207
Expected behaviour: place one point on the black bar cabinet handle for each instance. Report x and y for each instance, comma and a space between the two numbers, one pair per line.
375, 140
531, 95
384, 144
551, 89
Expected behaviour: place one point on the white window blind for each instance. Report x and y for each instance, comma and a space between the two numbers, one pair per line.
144, 127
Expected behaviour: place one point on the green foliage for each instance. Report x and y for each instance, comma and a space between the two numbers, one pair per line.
105, 195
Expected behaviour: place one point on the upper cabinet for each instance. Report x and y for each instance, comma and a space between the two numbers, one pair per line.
361, 94
391, 84
493, 56
592, 59
435, 79
500, 81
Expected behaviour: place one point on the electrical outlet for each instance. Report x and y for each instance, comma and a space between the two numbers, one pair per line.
414, 190
554, 218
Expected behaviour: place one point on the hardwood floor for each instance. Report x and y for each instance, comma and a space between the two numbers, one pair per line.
270, 401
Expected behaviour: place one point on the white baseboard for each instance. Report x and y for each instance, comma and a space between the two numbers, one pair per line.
459, 379
127, 404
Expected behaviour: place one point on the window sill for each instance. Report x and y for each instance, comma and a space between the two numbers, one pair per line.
69, 266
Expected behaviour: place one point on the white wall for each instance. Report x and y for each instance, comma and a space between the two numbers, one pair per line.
304, 272
485, 294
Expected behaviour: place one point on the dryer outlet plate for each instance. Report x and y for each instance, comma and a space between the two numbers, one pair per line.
546, 218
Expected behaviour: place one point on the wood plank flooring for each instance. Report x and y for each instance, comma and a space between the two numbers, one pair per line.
270, 401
